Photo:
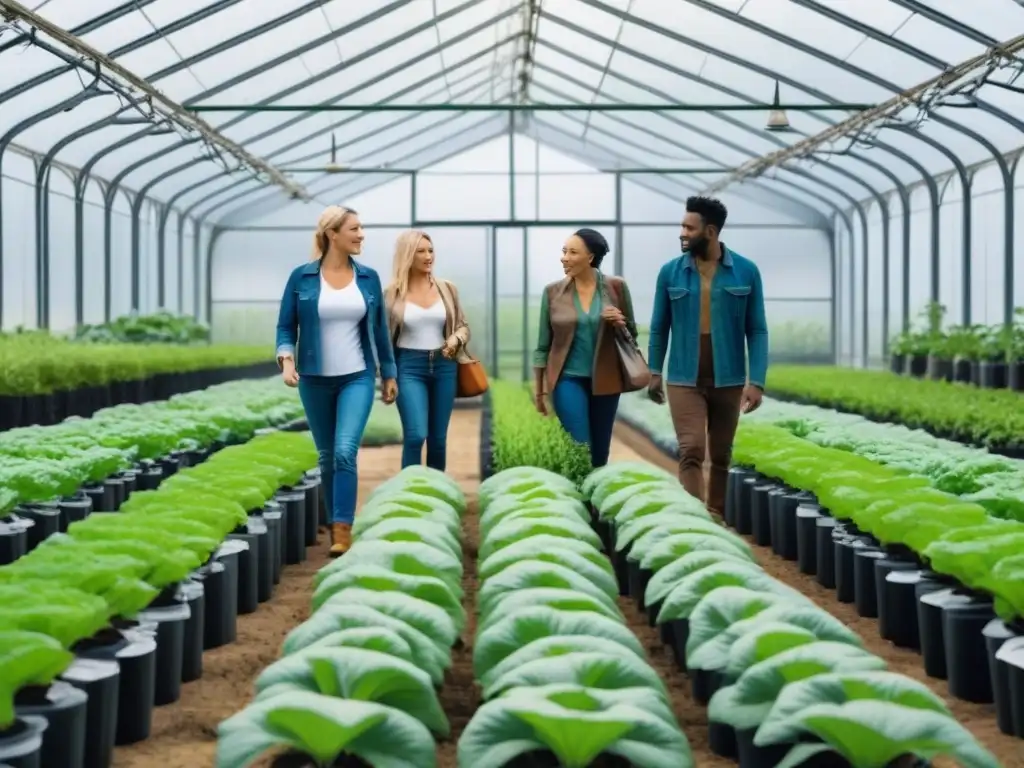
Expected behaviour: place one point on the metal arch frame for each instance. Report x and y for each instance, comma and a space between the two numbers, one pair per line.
883, 83
184, 64
369, 53
345, 121
109, 121
42, 287
831, 60
739, 124
221, 229
135, 253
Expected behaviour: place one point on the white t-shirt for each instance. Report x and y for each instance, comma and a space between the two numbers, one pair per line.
423, 328
341, 352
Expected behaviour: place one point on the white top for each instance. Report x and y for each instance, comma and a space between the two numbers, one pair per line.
423, 328
341, 352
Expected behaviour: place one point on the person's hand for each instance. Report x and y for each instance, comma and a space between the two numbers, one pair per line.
449, 350
614, 316
288, 372
540, 403
388, 391
751, 399
655, 390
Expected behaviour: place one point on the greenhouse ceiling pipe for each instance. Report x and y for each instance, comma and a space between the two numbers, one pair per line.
825, 97
341, 170
532, 107
173, 111
1004, 169
855, 205
381, 76
388, 44
135, 253
778, 157
89, 92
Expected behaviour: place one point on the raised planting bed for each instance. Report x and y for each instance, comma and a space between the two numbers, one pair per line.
357, 683
565, 682
982, 417
51, 477
783, 679
44, 379
116, 593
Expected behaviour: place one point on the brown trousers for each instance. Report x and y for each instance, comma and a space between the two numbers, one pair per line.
705, 419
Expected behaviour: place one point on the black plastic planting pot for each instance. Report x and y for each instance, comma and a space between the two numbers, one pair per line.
744, 523
273, 515
134, 650
760, 520
620, 564
782, 507
722, 740
1010, 664
638, 580
732, 493
963, 622
99, 679
101, 495
264, 549
932, 598
845, 550
293, 504
21, 745
63, 707
751, 756
248, 568
73, 509
221, 585
896, 598
167, 622
825, 554
704, 683
193, 593
46, 519
997, 634
679, 630
299, 760
310, 489
13, 541
807, 516
865, 594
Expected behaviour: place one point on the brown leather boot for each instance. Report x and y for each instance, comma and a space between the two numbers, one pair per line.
341, 539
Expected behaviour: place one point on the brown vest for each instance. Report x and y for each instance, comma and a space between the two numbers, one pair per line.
606, 378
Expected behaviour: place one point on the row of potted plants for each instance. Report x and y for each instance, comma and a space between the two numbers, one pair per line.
927, 563
564, 680
989, 418
989, 356
106, 620
157, 328
357, 682
784, 681
44, 379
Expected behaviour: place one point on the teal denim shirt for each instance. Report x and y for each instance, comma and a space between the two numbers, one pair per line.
298, 322
738, 326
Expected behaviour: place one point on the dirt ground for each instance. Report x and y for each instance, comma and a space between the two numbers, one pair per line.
980, 719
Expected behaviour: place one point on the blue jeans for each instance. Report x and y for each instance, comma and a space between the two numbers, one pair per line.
588, 418
427, 383
337, 408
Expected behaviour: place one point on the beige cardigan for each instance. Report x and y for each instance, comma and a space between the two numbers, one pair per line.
456, 330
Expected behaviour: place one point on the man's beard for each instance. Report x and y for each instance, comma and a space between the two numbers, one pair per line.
698, 246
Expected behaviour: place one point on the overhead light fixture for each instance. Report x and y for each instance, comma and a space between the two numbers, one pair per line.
778, 121
333, 166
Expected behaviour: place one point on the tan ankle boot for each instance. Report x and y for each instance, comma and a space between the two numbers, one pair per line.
341, 539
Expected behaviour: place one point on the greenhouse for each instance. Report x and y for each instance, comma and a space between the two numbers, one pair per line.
511, 384
177, 156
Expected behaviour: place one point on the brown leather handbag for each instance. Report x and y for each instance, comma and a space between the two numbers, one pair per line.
472, 378
636, 374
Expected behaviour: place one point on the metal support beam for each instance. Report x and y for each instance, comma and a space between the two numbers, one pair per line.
531, 107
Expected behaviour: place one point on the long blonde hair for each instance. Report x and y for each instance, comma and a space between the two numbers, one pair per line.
330, 221
405, 252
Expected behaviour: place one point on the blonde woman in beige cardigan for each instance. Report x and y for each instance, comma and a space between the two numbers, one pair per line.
429, 334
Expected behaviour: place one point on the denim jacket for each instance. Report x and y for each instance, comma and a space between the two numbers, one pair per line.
298, 323
738, 326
